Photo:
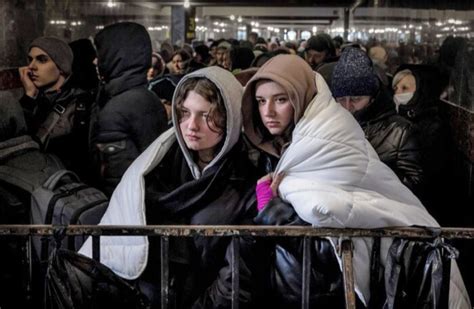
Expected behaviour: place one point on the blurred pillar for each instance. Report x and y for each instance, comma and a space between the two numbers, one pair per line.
21, 21
347, 12
183, 24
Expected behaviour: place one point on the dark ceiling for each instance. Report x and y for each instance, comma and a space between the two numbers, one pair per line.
414, 4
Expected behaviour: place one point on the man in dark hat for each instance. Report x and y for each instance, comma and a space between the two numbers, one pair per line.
356, 87
320, 49
56, 113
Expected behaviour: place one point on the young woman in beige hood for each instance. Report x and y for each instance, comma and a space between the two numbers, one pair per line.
319, 169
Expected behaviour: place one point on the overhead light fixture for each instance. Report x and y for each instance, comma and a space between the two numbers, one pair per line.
232, 17
239, 19
111, 4
186, 4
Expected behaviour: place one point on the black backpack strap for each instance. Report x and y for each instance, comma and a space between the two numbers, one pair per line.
51, 120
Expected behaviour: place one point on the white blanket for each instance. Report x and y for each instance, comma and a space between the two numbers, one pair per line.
334, 178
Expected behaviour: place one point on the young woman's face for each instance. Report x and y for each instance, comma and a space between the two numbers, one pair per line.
274, 106
43, 71
199, 134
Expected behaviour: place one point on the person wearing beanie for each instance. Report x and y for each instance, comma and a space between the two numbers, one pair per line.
126, 116
320, 49
356, 87
55, 110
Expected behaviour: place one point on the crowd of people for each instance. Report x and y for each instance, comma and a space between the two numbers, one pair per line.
234, 132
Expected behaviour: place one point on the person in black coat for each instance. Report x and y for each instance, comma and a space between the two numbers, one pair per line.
417, 89
357, 88
127, 117
56, 109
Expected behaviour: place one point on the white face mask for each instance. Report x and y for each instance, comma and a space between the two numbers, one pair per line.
402, 99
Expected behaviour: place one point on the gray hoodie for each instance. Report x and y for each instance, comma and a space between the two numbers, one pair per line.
231, 92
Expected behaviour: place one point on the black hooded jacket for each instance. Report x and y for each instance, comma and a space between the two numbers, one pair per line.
127, 117
423, 111
200, 267
394, 138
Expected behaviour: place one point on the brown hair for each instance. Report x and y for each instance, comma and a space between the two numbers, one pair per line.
204, 87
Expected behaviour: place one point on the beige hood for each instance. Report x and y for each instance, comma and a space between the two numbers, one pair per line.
295, 76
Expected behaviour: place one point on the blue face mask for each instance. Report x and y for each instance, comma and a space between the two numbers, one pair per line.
402, 99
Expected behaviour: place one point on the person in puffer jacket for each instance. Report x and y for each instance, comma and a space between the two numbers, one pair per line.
324, 172
196, 173
395, 139
126, 117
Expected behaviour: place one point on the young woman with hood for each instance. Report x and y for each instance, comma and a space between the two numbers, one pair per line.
332, 178
193, 174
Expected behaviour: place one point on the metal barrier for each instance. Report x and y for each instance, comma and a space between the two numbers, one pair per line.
307, 233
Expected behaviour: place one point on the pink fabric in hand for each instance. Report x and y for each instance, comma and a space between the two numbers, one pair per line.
264, 194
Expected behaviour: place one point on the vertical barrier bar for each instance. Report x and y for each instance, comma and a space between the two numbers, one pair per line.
164, 264
306, 280
96, 247
235, 272
348, 273
29, 257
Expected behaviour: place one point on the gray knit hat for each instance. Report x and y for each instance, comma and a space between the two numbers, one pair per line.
58, 50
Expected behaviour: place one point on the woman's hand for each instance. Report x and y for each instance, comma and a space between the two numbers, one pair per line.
267, 188
274, 181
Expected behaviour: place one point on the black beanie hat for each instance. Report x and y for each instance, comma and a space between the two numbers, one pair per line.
354, 75
57, 50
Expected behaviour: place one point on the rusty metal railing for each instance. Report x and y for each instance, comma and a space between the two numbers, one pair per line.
306, 232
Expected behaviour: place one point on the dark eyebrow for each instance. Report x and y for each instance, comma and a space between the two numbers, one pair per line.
42, 57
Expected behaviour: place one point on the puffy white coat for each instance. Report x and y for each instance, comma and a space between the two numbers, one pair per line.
334, 178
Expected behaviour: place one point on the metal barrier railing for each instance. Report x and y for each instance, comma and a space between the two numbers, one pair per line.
166, 231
